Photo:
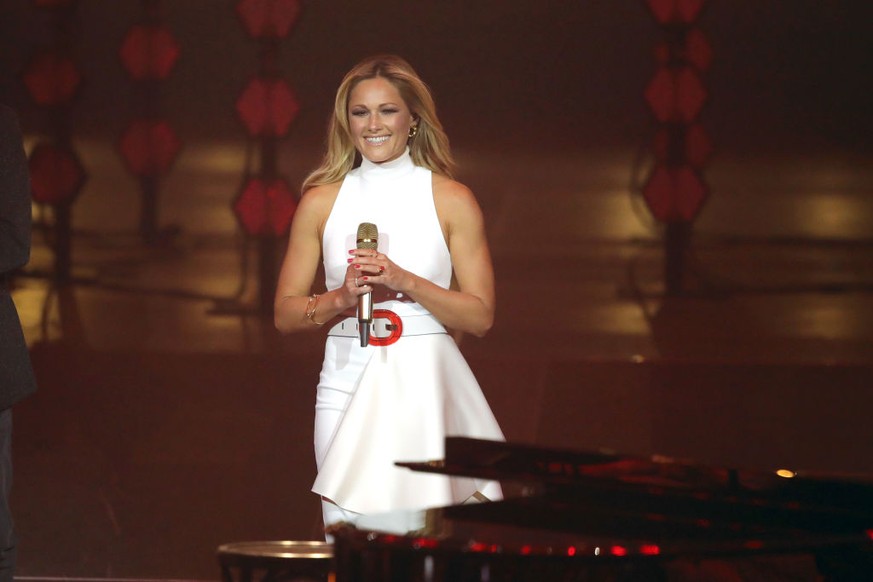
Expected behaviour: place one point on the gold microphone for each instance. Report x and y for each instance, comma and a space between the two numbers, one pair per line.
368, 238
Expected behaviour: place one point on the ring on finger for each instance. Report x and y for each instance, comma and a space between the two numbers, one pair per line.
356, 282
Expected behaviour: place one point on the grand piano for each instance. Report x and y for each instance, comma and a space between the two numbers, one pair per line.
574, 516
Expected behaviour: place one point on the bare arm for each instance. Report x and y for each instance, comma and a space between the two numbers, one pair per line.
293, 291
470, 307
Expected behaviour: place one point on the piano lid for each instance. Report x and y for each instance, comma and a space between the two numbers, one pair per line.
657, 499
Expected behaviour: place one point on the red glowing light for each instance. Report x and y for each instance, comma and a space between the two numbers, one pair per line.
268, 18
698, 148
675, 194
428, 543
618, 551
265, 208
698, 52
149, 147
571, 551
267, 107
676, 94
478, 547
149, 51
56, 174
650, 549
675, 11
52, 79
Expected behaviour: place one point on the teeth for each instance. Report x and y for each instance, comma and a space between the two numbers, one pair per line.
377, 140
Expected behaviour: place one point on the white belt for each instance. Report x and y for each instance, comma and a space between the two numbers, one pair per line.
383, 327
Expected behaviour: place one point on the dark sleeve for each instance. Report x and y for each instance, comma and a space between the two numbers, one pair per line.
15, 213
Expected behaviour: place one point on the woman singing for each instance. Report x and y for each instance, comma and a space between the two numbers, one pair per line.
396, 398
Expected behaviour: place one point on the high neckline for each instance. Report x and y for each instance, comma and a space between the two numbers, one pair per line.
391, 169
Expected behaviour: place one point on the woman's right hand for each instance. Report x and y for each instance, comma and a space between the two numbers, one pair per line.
354, 286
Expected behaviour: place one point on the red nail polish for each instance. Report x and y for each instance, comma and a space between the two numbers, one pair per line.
350, 260
357, 266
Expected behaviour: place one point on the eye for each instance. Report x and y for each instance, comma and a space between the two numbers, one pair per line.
359, 112
390, 110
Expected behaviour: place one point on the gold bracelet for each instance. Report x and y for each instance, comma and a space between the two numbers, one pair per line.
311, 308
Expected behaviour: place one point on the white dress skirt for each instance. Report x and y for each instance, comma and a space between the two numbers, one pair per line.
408, 398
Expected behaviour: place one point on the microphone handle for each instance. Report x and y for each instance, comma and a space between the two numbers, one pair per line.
365, 317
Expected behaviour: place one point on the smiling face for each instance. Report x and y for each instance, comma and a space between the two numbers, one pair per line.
379, 120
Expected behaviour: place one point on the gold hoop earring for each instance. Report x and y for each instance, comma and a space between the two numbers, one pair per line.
413, 131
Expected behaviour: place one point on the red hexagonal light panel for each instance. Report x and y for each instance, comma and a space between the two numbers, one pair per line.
265, 207
267, 107
675, 11
52, 78
149, 51
149, 147
675, 194
56, 174
268, 18
676, 94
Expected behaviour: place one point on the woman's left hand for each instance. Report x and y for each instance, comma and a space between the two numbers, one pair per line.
377, 269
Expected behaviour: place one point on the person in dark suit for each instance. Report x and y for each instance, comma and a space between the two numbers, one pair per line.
16, 374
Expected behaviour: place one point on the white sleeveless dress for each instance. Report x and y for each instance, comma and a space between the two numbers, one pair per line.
379, 404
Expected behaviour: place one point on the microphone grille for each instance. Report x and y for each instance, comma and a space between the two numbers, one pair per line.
368, 236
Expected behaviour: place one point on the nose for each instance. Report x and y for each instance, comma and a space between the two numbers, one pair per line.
374, 122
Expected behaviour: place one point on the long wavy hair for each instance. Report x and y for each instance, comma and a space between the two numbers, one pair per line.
430, 146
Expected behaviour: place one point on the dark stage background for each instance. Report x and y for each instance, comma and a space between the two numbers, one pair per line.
169, 420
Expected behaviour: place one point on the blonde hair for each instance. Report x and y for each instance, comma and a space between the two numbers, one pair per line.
430, 146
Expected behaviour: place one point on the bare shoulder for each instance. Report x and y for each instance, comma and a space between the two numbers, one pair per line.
320, 198
314, 208
317, 202
456, 207
452, 196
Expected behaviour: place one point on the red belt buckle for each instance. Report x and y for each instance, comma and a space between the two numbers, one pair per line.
396, 327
